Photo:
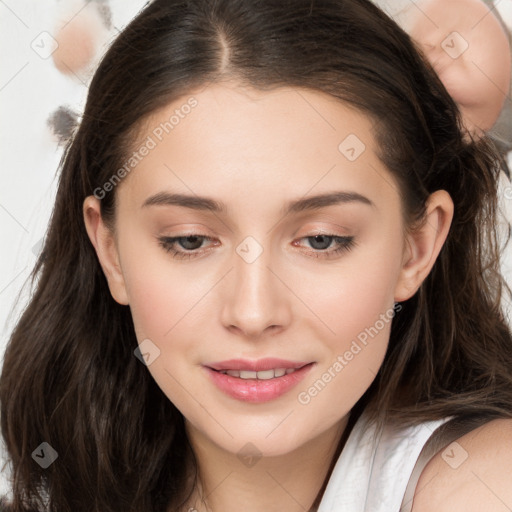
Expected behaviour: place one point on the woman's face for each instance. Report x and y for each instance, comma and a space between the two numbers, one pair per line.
269, 272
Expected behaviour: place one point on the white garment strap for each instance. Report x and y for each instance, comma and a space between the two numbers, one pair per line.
374, 467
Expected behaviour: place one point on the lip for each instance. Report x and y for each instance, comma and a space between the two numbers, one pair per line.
256, 366
256, 390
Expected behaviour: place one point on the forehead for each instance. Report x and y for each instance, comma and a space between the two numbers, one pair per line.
244, 144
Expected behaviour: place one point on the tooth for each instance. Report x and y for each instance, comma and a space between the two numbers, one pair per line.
262, 375
266, 374
244, 374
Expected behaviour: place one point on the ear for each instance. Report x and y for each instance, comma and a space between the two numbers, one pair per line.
424, 244
103, 240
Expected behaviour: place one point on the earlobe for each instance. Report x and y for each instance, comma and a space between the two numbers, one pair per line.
424, 245
104, 244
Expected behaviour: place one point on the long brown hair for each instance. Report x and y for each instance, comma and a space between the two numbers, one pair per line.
69, 375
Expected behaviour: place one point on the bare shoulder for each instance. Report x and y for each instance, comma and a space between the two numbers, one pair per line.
473, 473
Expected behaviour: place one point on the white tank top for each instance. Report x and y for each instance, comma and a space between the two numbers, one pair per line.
377, 471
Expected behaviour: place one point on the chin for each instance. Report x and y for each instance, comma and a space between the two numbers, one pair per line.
256, 439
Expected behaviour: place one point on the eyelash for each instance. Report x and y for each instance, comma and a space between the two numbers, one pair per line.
345, 243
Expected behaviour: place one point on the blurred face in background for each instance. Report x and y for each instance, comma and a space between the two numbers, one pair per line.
469, 50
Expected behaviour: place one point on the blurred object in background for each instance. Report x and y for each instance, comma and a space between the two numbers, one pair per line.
468, 43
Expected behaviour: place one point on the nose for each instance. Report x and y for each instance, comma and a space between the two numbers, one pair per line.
256, 298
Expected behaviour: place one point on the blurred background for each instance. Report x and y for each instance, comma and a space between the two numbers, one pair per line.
50, 50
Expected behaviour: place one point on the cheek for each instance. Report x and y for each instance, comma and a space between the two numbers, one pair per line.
359, 309
159, 290
162, 302
354, 354
165, 306
352, 298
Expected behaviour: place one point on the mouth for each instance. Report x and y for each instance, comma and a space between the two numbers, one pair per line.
259, 365
257, 381
262, 375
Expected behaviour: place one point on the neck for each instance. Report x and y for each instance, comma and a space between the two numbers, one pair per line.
293, 482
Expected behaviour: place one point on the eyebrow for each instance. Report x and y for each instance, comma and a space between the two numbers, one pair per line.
296, 206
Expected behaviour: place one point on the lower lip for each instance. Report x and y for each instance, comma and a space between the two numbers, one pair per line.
255, 390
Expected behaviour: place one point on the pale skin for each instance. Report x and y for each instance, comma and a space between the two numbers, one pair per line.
255, 151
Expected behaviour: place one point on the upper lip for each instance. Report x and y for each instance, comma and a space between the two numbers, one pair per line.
258, 365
